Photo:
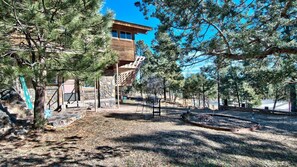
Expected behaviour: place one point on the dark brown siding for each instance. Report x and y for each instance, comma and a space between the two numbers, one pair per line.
125, 49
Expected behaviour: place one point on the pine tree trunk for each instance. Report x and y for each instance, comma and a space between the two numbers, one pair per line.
77, 89
203, 96
293, 97
98, 93
237, 94
274, 104
174, 97
275, 100
218, 87
235, 78
169, 94
39, 120
164, 86
199, 99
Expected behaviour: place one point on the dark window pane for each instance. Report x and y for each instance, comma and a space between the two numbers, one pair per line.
123, 35
114, 33
128, 35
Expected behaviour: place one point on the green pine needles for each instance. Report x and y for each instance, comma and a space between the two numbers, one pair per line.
54, 37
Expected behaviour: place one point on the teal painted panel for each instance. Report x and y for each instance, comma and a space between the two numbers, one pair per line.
26, 93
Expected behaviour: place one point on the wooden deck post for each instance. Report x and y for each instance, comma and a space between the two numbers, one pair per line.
60, 99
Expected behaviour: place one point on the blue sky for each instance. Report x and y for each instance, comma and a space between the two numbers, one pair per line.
125, 10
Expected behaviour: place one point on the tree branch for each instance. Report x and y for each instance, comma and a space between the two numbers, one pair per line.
8, 54
221, 34
20, 61
265, 53
44, 7
286, 8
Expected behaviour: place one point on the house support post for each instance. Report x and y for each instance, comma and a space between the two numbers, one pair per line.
60, 99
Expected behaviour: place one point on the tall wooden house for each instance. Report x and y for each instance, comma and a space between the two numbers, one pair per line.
72, 93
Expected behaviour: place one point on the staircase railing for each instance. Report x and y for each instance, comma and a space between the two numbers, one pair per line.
72, 92
76, 99
49, 102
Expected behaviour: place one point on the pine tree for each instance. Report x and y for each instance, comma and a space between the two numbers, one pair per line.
53, 38
271, 77
166, 54
144, 72
237, 30
160, 69
200, 85
232, 29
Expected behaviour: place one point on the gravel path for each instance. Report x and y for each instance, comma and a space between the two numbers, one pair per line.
128, 137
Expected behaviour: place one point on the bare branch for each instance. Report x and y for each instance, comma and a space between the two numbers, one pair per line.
221, 34
267, 52
9, 53
7, 3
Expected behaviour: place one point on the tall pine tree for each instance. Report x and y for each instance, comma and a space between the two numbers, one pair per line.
166, 54
230, 29
54, 37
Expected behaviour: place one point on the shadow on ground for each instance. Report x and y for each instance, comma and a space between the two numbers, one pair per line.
191, 148
176, 145
59, 153
147, 117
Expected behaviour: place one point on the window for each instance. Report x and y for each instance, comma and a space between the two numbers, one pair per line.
114, 33
128, 35
125, 35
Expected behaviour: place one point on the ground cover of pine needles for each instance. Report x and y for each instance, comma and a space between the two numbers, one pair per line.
133, 138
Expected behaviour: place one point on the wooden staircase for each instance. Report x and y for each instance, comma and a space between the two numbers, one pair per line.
129, 71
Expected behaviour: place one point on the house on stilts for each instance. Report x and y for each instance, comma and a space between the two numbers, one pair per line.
65, 93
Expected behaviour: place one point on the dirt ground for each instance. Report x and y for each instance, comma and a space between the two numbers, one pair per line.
131, 137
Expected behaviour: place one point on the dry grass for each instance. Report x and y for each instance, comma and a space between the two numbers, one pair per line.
129, 138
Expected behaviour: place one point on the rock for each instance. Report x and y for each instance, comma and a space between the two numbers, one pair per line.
12, 108
5, 124
21, 131
13, 97
4, 94
18, 132
21, 137
10, 136
12, 101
